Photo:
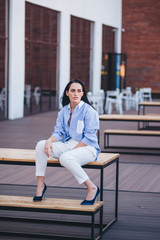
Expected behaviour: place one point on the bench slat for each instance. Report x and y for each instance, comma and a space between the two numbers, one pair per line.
48, 203
149, 103
28, 155
131, 132
117, 117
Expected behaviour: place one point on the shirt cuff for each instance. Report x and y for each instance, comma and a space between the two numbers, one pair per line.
86, 141
57, 136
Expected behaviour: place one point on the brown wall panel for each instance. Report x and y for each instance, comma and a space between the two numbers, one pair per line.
108, 42
108, 39
81, 50
41, 47
141, 43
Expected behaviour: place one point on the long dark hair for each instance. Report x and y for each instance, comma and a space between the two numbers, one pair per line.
65, 99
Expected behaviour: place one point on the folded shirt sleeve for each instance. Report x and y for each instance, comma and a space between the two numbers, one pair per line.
91, 127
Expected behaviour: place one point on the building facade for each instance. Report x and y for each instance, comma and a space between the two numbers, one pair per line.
48, 42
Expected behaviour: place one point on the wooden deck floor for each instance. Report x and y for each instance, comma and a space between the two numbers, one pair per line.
139, 208
139, 213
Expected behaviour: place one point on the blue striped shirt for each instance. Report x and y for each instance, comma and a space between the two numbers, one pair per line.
83, 125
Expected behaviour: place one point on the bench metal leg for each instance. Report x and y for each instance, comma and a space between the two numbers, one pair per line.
92, 226
107, 140
116, 193
104, 227
106, 145
101, 184
101, 222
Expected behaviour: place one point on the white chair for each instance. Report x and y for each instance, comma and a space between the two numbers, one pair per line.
145, 94
37, 94
129, 89
118, 104
101, 92
89, 94
136, 99
2, 98
127, 97
101, 100
95, 100
113, 98
27, 94
111, 95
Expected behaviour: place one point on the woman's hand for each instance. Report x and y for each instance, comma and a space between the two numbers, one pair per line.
48, 145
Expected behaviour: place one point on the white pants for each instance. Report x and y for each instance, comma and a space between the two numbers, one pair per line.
71, 159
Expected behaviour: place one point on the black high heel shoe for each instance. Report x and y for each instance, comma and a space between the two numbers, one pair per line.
39, 198
91, 202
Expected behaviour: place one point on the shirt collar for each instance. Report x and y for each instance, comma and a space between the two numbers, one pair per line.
79, 105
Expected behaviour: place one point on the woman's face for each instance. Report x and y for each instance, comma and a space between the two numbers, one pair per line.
75, 93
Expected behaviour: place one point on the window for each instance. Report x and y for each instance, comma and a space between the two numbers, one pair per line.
107, 73
81, 50
41, 49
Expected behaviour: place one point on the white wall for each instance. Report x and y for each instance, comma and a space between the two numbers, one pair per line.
64, 53
99, 11
105, 11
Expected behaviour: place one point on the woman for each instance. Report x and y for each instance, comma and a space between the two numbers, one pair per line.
73, 141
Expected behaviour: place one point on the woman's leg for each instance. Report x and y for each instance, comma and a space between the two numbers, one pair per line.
41, 159
41, 163
74, 159
40, 185
92, 189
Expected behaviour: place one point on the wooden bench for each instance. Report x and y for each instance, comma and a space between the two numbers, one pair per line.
145, 133
27, 157
53, 205
153, 114
130, 118
147, 126
143, 105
